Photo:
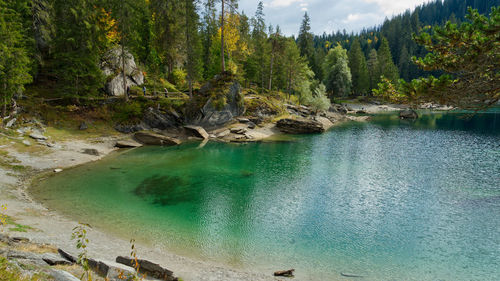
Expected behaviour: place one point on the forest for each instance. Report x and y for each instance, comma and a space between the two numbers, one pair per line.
56, 46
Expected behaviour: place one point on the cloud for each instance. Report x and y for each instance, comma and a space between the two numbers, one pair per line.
284, 3
391, 7
328, 15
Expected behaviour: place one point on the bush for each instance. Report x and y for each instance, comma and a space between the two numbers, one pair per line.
128, 111
178, 77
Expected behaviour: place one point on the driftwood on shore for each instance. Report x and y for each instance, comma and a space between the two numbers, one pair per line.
285, 273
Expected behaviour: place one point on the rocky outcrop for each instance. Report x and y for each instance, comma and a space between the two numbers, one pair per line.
111, 66
150, 269
153, 118
301, 126
196, 131
150, 138
220, 108
408, 114
127, 144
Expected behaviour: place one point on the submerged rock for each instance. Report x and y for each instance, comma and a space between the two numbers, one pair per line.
150, 138
408, 114
91, 151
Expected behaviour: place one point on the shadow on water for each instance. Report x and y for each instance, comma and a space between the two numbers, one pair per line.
483, 123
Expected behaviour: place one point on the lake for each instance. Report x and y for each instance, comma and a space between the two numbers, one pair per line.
389, 200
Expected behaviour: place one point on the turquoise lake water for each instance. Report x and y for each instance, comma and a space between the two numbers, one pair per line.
388, 200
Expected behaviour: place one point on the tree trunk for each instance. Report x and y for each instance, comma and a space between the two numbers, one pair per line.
190, 88
222, 40
124, 77
271, 71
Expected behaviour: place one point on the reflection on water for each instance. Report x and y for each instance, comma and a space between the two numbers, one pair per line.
390, 199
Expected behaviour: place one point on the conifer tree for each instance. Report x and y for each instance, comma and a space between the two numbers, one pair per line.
79, 43
193, 47
306, 43
14, 61
385, 62
359, 69
373, 68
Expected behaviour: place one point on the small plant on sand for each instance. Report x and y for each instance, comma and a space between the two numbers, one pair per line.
135, 261
80, 236
3, 217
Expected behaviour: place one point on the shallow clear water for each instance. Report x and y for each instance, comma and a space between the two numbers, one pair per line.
389, 200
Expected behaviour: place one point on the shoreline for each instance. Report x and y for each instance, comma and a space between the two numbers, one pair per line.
54, 228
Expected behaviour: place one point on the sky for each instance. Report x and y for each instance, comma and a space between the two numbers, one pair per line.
328, 15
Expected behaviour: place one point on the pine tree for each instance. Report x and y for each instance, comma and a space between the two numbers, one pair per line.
373, 68
14, 61
359, 69
193, 47
79, 43
386, 64
209, 31
306, 43
404, 64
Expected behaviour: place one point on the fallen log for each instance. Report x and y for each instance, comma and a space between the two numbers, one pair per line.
285, 273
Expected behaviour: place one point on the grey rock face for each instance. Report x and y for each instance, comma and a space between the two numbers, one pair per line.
196, 131
156, 119
111, 65
53, 259
300, 126
150, 138
210, 116
61, 275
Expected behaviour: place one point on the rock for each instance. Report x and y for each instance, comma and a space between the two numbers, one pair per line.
300, 126
58, 170
127, 144
127, 129
257, 120
11, 254
38, 136
251, 125
361, 111
83, 126
284, 273
243, 120
408, 114
239, 129
338, 108
211, 116
52, 259
61, 275
325, 122
111, 65
11, 123
115, 271
150, 138
155, 119
223, 133
67, 256
26, 142
150, 269
91, 151
196, 131
351, 275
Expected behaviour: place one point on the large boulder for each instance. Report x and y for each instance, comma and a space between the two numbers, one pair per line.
196, 131
150, 138
221, 101
153, 118
112, 67
408, 114
302, 125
